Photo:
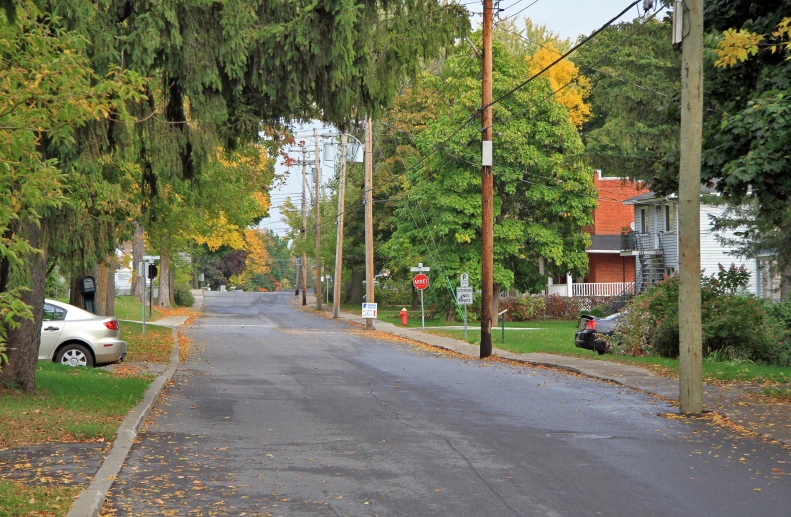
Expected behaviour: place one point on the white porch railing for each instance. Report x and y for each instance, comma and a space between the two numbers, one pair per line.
601, 289
558, 289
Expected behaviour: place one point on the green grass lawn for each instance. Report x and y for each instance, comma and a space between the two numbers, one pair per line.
128, 308
81, 404
154, 346
20, 500
557, 337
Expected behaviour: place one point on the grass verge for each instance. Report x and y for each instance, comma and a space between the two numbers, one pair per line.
19, 500
72, 404
557, 337
128, 308
154, 346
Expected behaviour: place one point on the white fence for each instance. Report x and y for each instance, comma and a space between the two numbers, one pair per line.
601, 289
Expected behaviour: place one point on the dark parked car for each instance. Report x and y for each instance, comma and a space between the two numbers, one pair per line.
590, 330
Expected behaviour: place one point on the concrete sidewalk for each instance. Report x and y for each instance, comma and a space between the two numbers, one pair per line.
772, 420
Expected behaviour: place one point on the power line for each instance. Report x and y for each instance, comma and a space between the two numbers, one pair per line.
562, 57
589, 67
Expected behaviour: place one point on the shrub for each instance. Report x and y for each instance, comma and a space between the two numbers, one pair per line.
183, 297
733, 326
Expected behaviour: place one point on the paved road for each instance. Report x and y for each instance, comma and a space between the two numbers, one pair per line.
280, 412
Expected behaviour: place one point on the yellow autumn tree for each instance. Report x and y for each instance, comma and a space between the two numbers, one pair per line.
572, 96
257, 261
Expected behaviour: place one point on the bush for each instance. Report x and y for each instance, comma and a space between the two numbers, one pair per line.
183, 297
733, 326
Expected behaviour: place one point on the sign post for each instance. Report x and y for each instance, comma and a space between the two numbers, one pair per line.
421, 282
464, 297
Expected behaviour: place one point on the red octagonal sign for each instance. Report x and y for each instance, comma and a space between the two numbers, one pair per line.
420, 281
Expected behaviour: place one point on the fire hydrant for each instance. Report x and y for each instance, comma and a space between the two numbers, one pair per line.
403, 314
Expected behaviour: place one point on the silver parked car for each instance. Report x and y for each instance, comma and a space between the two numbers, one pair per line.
75, 337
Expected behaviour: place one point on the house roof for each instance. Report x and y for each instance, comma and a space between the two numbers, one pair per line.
651, 197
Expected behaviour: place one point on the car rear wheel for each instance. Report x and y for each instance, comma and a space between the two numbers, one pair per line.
74, 355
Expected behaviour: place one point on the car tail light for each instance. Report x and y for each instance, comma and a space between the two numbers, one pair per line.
112, 324
590, 325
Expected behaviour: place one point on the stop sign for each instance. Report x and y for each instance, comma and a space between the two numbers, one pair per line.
420, 281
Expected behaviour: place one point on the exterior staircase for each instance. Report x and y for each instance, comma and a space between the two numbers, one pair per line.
650, 257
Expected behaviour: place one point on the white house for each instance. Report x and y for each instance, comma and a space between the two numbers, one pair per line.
654, 242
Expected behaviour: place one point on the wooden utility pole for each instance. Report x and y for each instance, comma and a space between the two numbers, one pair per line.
336, 293
369, 218
304, 228
317, 273
690, 350
487, 187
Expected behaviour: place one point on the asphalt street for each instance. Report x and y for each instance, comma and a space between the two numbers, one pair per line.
280, 411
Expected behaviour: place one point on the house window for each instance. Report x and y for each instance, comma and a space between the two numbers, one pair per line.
643, 221
669, 216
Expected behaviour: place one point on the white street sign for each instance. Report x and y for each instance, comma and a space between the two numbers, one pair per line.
419, 268
150, 258
369, 310
464, 280
464, 295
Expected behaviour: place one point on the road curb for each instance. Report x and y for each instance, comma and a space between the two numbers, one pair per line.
91, 500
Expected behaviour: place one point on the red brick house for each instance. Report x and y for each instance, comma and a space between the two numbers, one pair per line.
610, 219
608, 272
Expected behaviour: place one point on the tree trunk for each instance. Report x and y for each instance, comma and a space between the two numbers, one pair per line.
137, 257
163, 298
102, 273
23, 342
109, 304
785, 282
495, 303
75, 295
356, 287
195, 281
172, 286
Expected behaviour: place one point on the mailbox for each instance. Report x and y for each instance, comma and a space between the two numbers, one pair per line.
88, 288
88, 285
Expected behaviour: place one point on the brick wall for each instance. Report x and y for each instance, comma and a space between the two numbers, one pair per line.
611, 216
609, 267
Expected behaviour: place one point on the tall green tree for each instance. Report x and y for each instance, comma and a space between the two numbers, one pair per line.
542, 199
747, 124
50, 92
219, 74
635, 82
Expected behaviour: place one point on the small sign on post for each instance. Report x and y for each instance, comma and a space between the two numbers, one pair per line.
421, 283
464, 297
369, 310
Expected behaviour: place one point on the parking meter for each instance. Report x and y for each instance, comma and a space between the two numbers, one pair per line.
88, 288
